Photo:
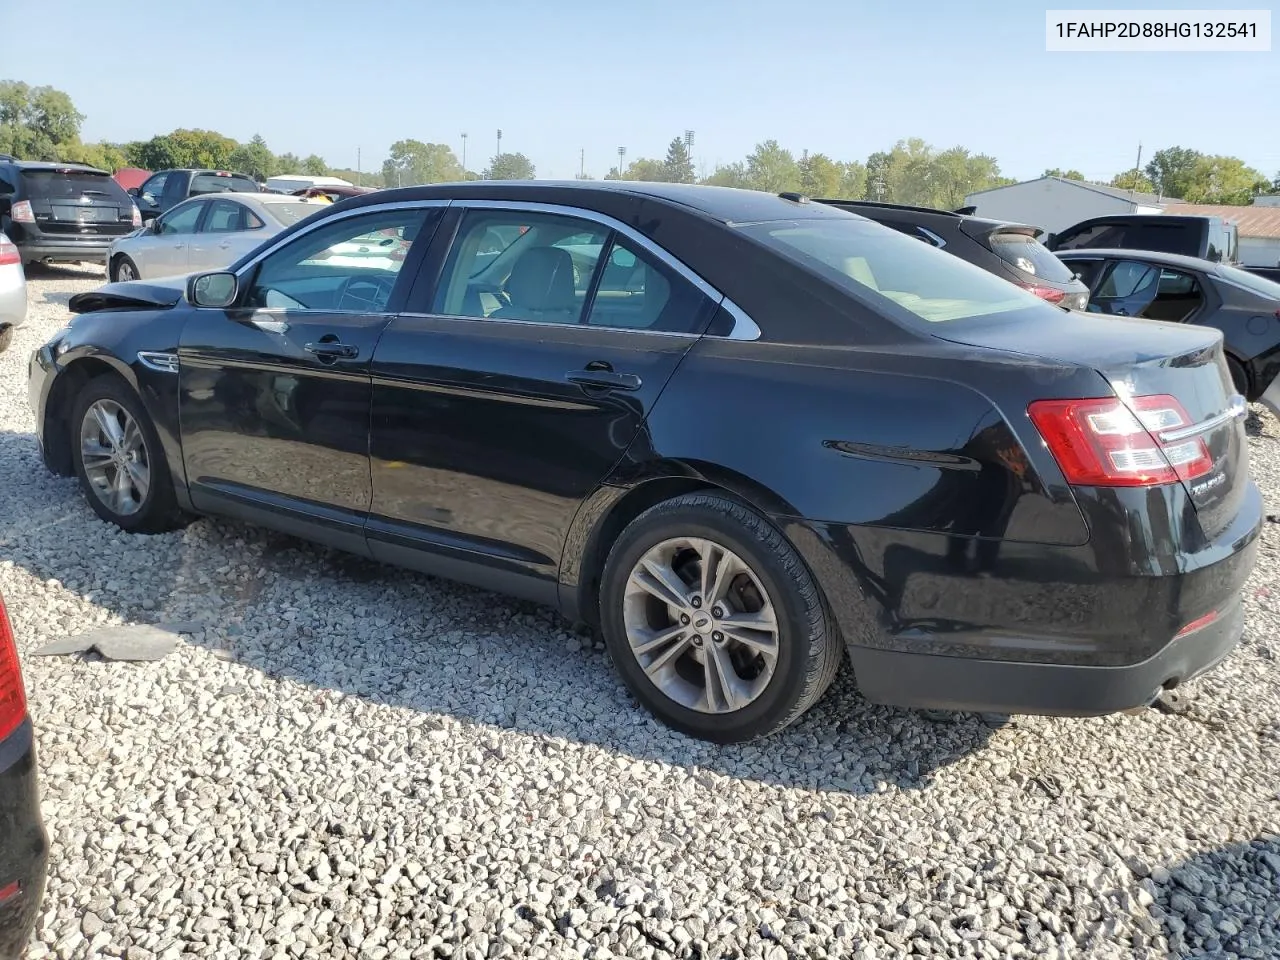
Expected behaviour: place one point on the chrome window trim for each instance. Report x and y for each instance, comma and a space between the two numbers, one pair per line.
549, 326
744, 327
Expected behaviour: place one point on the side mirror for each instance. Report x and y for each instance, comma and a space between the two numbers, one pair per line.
216, 290
152, 225
133, 192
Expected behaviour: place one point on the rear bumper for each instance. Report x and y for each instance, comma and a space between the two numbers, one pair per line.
66, 251
1064, 690
24, 846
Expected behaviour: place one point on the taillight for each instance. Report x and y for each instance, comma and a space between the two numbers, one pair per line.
137, 216
13, 698
1044, 293
1196, 625
21, 212
1104, 443
8, 252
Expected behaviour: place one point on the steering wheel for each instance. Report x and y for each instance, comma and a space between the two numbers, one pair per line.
365, 294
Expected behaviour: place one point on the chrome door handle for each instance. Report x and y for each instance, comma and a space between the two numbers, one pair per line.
332, 348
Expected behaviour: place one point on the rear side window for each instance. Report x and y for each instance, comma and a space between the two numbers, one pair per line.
1098, 235
1126, 279
216, 183
286, 213
53, 185
893, 271
1030, 256
1166, 238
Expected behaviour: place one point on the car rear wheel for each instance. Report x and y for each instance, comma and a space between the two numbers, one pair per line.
124, 270
714, 622
119, 460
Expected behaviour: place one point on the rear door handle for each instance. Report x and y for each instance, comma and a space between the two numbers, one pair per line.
604, 378
332, 348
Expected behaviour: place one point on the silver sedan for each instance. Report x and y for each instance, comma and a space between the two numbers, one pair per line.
204, 233
13, 291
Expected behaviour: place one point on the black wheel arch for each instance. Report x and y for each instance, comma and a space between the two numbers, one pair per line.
56, 428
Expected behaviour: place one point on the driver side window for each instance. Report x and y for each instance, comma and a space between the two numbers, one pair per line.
348, 264
180, 220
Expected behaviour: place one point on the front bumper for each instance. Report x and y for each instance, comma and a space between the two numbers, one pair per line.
24, 845
40, 375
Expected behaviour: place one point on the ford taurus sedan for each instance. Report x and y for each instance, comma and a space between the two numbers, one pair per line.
745, 436
204, 233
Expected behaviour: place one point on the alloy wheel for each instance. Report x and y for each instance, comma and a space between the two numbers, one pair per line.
114, 454
701, 625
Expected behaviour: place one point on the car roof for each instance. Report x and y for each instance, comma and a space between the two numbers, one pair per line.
906, 211
1175, 218
55, 165
728, 205
1150, 256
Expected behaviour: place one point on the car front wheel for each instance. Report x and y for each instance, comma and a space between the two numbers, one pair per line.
714, 622
119, 460
124, 270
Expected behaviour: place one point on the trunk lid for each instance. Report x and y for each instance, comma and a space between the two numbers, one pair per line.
1142, 358
72, 203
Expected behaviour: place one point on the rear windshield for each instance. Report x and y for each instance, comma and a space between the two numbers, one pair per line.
290, 213
213, 183
887, 269
1030, 256
1163, 237
1251, 282
52, 185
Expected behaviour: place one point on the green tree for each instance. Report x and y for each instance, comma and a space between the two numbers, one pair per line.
1172, 170
413, 162
315, 166
772, 168
1133, 179
254, 158
729, 175
36, 122
853, 180
353, 176
1224, 180
653, 171
187, 148
104, 156
1064, 174
820, 176
509, 166
678, 164
956, 173
878, 187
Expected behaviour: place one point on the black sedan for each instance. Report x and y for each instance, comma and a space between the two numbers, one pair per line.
1165, 286
23, 844
742, 435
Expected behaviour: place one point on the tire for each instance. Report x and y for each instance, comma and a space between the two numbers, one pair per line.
807, 652
1239, 376
153, 510
121, 265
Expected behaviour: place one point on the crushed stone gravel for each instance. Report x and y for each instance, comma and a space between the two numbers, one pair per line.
345, 760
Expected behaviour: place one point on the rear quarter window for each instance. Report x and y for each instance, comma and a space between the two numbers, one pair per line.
1028, 255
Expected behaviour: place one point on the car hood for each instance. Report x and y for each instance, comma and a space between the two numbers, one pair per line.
161, 293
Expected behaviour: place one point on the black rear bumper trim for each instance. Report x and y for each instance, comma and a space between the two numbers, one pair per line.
929, 681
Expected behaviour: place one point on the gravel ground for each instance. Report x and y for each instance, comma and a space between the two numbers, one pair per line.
345, 760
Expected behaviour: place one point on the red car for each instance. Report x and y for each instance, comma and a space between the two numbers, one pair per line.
24, 847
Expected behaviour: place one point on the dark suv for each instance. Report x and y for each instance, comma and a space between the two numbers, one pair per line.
62, 212
1009, 250
1207, 238
168, 188
24, 845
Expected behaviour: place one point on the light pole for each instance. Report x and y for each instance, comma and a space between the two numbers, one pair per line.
499, 153
582, 164
464, 155
622, 152
688, 147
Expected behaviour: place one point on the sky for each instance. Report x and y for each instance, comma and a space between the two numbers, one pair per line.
845, 79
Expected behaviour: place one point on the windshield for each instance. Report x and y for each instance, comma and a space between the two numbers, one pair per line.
290, 213
1251, 282
883, 267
